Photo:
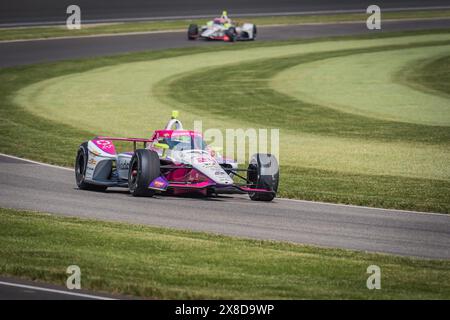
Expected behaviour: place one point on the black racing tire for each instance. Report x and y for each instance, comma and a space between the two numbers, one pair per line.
192, 32
81, 161
255, 32
232, 34
264, 173
144, 168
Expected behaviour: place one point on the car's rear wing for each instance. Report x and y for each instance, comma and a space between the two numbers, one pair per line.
134, 140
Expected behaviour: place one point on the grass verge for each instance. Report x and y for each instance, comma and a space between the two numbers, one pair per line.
428, 76
24, 33
163, 263
382, 191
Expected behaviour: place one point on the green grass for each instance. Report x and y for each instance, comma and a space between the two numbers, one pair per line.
326, 155
163, 263
378, 95
61, 31
383, 191
429, 76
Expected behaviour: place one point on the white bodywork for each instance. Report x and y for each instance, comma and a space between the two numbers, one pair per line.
211, 30
123, 164
203, 162
96, 155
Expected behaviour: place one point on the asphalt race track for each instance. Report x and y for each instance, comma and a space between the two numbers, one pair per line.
44, 188
25, 12
34, 51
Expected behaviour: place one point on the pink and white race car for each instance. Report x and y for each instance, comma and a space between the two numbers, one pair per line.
173, 161
224, 29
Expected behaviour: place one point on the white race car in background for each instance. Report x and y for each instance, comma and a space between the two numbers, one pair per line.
223, 29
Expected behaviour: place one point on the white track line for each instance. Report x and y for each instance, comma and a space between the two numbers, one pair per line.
282, 199
81, 295
187, 17
99, 35
36, 162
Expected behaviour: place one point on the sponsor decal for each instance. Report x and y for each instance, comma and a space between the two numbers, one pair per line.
208, 166
124, 165
159, 183
202, 160
105, 145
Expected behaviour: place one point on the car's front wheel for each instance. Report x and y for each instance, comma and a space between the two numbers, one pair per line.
81, 162
193, 32
144, 168
263, 173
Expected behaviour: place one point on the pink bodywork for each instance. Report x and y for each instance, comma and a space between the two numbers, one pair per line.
105, 145
174, 133
199, 182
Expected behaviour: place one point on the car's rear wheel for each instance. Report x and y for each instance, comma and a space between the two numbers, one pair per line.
81, 162
255, 31
193, 32
144, 168
263, 173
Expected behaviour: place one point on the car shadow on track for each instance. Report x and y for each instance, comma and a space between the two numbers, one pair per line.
193, 196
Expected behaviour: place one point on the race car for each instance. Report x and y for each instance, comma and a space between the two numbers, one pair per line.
172, 161
222, 29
